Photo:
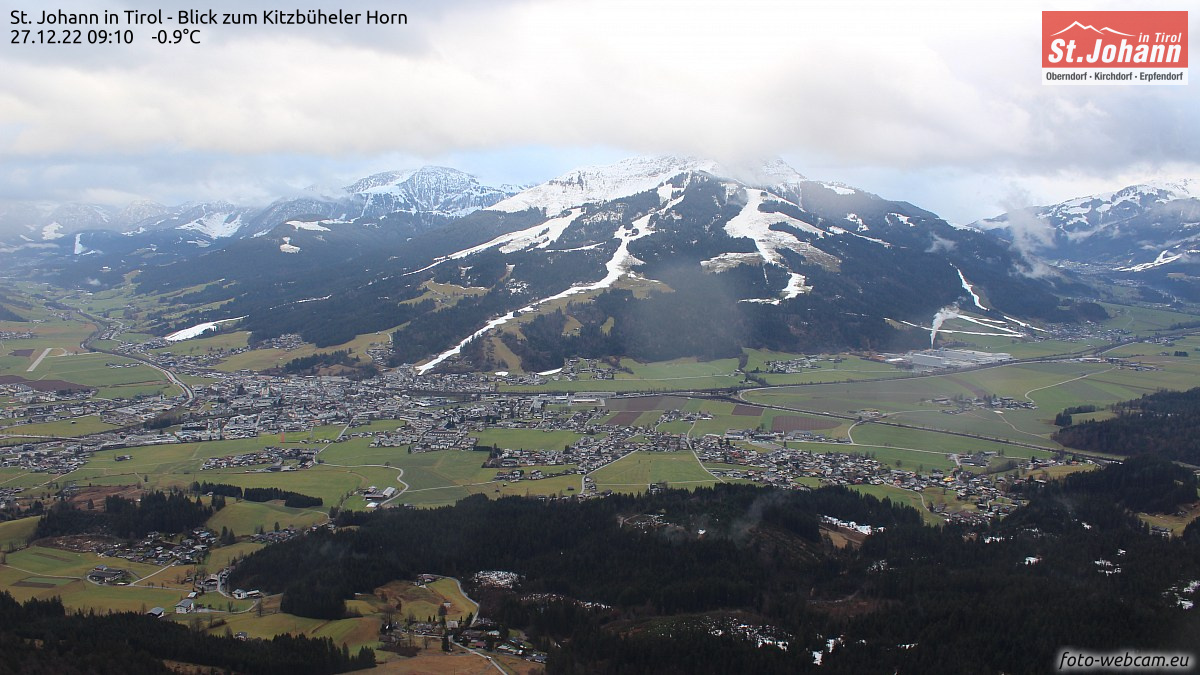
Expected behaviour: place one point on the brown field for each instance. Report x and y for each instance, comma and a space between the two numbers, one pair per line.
795, 423
21, 352
646, 403
76, 543
842, 537
97, 493
1176, 522
624, 419
41, 385
747, 410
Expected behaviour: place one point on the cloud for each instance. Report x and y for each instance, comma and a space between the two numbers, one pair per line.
909, 89
939, 245
1030, 234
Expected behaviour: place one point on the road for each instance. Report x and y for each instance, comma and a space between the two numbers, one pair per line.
473, 651
482, 656
101, 326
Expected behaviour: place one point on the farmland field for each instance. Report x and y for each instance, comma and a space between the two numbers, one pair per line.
79, 426
635, 472
1051, 386
244, 517
14, 532
526, 439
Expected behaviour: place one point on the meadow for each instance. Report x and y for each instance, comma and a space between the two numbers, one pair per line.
635, 472
1050, 386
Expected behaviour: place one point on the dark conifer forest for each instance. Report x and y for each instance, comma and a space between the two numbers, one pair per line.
40, 636
1166, 423
913, 598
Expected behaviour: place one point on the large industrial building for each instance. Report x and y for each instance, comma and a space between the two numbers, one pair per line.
954, 358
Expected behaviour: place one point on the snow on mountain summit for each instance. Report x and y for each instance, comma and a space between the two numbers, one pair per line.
430, 189
634, 175
1136, 228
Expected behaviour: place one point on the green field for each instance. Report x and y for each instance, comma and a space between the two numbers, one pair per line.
1143, 320
444, 477
900, 496
207, 343
628, 385
91, 370
329, 483
526, 439
636, 471
220, 557
1052, 386
79, 426
14, 533
40, 572
262, 359
420, 602
690, 374
924, 442
244, 517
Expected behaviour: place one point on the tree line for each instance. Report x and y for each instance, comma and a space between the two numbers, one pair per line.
156, 511
912, 598
257, 494
40, 636
1165, 423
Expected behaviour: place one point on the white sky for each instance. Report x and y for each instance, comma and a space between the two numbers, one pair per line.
937, 103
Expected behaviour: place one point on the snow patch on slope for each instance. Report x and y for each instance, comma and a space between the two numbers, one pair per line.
967, 287
197, 330
315, 226
620, 264
602, 183
728, 261
751, 223
538, 236
1164, 258
841, 230
839, 188
215, 225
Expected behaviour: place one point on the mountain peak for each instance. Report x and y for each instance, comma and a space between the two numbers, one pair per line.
638, 174
430, 189
387, 179
1137, 228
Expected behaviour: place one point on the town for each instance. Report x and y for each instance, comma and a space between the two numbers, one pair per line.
449, 412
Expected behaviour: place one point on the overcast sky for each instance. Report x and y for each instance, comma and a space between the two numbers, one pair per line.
937, 103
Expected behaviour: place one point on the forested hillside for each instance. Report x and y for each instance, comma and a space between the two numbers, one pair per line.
1166, 423
670, 590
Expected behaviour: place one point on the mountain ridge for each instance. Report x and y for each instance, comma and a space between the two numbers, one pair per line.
780, 261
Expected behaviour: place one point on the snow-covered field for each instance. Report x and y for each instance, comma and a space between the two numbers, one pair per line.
197, 330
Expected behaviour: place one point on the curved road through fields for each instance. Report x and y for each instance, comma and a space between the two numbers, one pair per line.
101, 325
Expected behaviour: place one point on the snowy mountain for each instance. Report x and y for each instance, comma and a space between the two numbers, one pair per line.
658, 257
402, 202
432, 189
33, 227
631, 176
1138, 228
